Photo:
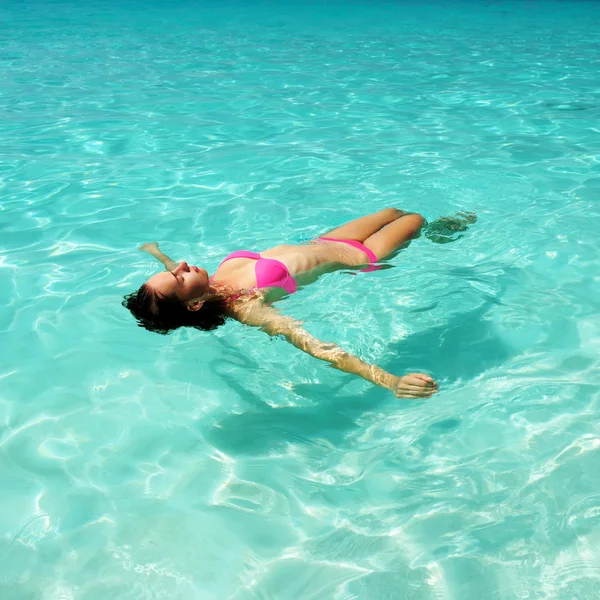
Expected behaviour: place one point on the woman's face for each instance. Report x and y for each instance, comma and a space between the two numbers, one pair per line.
187, 283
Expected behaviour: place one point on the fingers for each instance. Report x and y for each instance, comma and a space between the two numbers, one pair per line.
418, 379
422, 376
400, 393
416, 385
417, 389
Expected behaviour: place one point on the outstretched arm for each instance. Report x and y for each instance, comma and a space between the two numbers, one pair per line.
152, 249
414, 385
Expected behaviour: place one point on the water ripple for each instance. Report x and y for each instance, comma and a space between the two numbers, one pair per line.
230, 466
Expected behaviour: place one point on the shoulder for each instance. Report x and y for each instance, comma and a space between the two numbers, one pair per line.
247, 308
258, 314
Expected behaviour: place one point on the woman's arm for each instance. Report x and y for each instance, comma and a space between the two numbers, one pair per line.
414, 385
152, 249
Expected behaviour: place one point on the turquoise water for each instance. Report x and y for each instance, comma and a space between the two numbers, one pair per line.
231, 466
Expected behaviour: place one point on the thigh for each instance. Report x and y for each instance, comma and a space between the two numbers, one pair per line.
360, 229
394, 235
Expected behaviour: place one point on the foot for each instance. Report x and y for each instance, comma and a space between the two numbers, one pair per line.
443, 230
414, 385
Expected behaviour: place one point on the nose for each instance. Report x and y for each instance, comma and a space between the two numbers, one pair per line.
182, 267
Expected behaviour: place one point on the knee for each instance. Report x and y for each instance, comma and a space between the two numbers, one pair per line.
417, 219
413, 222
393, 213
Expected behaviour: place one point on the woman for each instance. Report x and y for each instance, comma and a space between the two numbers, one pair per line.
245, 284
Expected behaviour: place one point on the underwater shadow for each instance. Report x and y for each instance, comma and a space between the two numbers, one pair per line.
461, 349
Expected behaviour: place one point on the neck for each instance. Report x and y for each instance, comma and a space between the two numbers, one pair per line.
219, 289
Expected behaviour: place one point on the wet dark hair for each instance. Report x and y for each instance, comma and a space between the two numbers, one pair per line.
164, 314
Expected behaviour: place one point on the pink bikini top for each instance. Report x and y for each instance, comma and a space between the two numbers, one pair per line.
269, 272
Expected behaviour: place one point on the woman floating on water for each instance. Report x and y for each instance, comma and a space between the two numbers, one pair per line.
241, 287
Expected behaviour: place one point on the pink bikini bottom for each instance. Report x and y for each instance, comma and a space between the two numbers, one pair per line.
370, 254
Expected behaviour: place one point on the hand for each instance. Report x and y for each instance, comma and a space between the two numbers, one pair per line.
414, 385
152, 246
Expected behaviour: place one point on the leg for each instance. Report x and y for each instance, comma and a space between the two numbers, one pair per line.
361, 229
394, 234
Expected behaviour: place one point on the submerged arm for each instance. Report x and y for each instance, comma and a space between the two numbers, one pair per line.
152, 249
415, 385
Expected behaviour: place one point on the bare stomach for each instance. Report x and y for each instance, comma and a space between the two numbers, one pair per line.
301, 259
304, 263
